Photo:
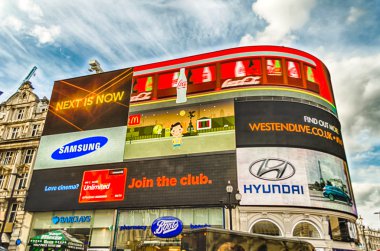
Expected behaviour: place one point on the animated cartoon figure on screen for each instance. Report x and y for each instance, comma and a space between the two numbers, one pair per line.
176, 131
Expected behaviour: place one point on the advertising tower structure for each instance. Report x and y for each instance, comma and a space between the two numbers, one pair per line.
162, 140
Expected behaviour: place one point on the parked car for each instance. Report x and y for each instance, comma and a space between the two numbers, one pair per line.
336, 193
3, 248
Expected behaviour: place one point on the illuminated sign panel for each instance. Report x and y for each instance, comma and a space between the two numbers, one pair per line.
280, 123
206, 127
103, 185
159, 182
89, 102
81, 148
294, 177
254, 68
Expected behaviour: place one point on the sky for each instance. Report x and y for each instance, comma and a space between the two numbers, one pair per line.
60, 37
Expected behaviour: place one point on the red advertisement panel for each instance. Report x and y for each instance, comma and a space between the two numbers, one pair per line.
103, 185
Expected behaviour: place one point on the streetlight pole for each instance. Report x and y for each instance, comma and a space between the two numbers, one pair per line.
8, 206
229, 204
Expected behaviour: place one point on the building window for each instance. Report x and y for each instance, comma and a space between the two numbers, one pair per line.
266, 227
274, 67
14, 132
20, 114
142, 88
143, 84
342, 230
2, 180
293, 69
242, 68
306, 229
22, 180
8, 158
29, 153
13, 212
35, 129
310, 74
168, 80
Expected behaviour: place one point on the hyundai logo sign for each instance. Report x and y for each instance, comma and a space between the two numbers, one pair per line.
79, 148
272, 169
167, 227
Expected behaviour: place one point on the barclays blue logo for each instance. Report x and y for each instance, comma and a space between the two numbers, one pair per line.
167, 227
71, 219
55, 219
79, 148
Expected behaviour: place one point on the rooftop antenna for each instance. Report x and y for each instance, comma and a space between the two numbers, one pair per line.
30, 75
95, 66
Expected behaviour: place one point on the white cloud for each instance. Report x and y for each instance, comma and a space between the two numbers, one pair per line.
367, 198
33, 11
357, 93
44, 34
354, 15
12, 23
282, 17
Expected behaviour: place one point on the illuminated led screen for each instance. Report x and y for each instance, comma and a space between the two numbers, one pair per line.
253, 68
278, 176
103, 185
81, 148
182, 181
206, 127
89, 102
280, 123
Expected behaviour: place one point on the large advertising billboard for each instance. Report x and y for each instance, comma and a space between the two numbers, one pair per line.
280, 176
199, 128
183, 181
89, 102
81, 148
280, 123
251, 68
103, 185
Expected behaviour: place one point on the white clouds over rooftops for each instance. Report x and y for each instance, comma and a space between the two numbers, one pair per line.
354, 15
45, 34
282, 18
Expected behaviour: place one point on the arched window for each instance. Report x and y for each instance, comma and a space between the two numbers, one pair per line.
306, 229
266, 227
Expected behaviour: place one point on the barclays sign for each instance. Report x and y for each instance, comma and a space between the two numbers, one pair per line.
79, 148
71, 219
167, 227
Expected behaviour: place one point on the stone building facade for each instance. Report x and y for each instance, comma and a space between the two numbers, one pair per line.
369, 238
22, 118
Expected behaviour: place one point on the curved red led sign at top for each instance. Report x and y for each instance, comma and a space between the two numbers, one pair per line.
244, 67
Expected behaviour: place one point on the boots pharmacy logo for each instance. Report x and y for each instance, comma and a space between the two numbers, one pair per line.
167, 227
79, 148
272, 169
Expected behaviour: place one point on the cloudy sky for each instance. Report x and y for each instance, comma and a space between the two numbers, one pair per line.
60, 37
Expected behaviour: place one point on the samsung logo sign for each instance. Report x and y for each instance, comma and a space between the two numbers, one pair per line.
79, 148
167, 227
